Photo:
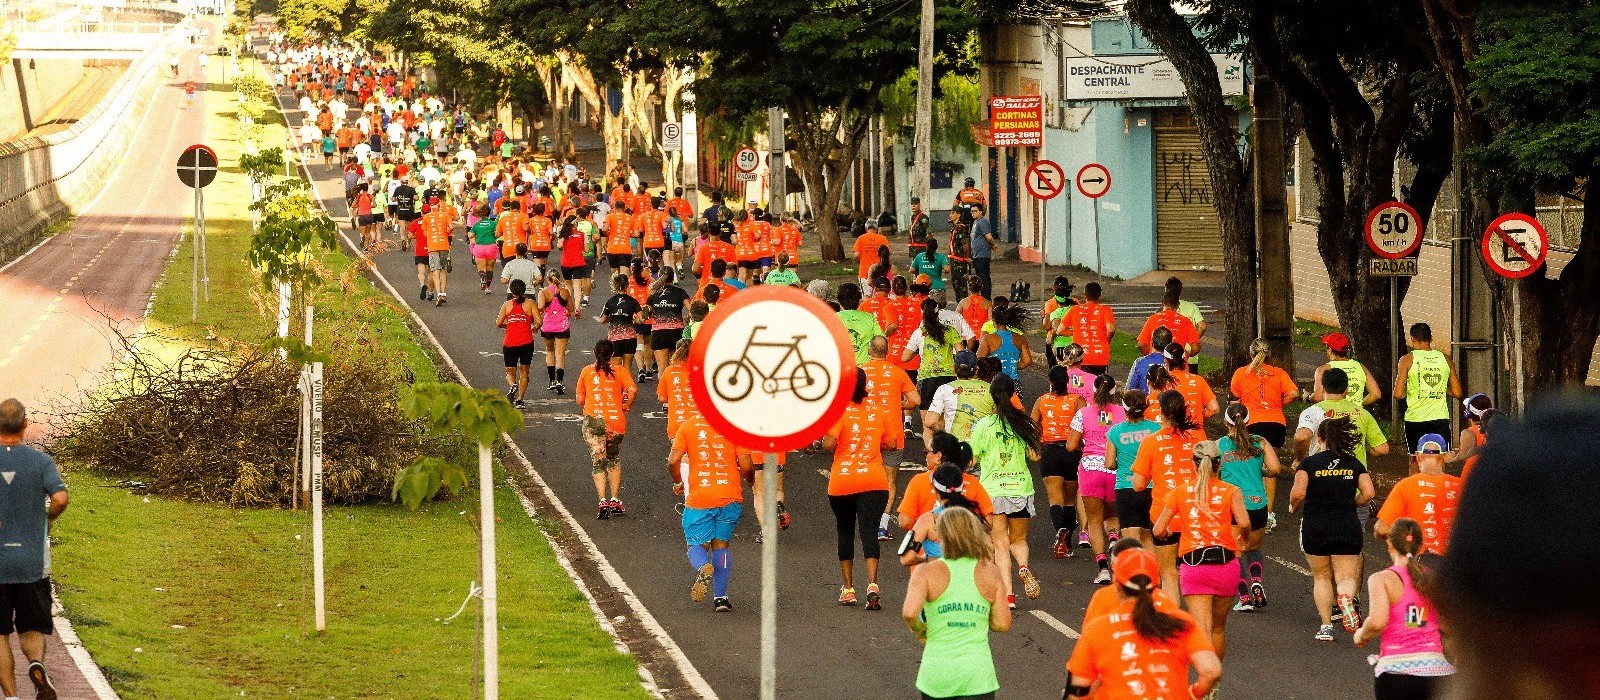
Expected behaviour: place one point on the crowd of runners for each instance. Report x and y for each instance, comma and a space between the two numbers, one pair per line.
1172, 518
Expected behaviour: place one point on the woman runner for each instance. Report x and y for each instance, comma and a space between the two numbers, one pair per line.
1002, 443
1246, 458
555, 304
975, 308
1330, 485
1475, 409
639, 278
1411, 656
952, 604
606, 395
922, 543
1097, 478
667, 308
1004, 344
1122, 447
858, 488
484, 247
574, 268
1058, 463
1209, 518
620, 313
1264, 390
936, 344
518, 316
1165, 463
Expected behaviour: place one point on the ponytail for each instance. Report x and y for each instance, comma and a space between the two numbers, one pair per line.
1175, 411
1258, 354
932, 328
1237, 416
1159, 377
1406, 537
1103, 386
1058, 380
603, 350
1016, 421
1148, 622
1135, 403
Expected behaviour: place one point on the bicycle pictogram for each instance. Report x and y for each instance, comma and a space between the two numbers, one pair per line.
808, 380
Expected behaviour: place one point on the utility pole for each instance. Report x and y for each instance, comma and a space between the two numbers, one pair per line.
691, 143
1275, 292
776, 170
923, 138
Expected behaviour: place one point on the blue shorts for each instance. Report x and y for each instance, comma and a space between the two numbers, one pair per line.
765, 261
701, 526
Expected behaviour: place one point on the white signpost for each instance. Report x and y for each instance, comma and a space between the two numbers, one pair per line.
1045, 179
1094, 181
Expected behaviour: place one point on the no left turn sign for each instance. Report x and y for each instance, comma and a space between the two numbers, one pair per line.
772, 368
1515, 245
1094, 180
1045, 179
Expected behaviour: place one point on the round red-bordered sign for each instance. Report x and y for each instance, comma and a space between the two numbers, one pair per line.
1045, 179
772, 368
1093, 180
1393, 230
1515, 245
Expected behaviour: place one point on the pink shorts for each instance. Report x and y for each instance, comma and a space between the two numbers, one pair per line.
1209, 579
487, 251
1097, 484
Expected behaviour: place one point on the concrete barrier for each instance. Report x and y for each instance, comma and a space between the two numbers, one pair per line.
43, 179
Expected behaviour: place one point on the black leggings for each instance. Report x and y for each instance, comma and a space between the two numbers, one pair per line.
1394, 686
862, 512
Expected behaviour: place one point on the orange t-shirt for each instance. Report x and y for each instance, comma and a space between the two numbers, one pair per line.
866, 249
1196, 394
716, 249
619, 234
862, 436
436, 226
744, 241
681, 205
653, 223
1201, 525
1477, 434
1265, 393
921, 498
1089, 324
512, 228
1106, 600
761, 231
540, 234
1056, 414
887, 385
712, 465
1429, 499
673, 390
607, 397
1130, 667
906, 314
1167, 460
1183, 330
789, 238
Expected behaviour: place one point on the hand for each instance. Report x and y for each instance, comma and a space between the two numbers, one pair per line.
1362, 637
677, 489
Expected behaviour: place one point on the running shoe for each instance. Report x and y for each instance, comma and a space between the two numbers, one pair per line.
874, 600
1011, 601
784, 521
1324, 633
1111, 538
430, 296
722, 604
520, 404
561, 390
883, 534
1083, 539
44, 689
702, 583
605, 510
908, 429
616, 507
1062, 549
1258, 594
847, 596
1349, 616
1103, 577
550, 387
586, 301
1244, 605
1272, 522
423, 295
1030, 583
759, 538
442, 299
511, 394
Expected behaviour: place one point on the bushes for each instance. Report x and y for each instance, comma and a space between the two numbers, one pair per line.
255, 88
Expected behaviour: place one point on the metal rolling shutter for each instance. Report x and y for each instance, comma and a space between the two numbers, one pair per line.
1187, 233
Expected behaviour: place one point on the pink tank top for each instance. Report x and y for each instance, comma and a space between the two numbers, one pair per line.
1412, 628
1093, 422
555, 313
1080, 384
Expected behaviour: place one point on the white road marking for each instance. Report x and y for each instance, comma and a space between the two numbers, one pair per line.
1051, 620
1303, 571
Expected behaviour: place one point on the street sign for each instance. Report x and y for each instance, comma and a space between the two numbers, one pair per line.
1094, 180
746, 160
1393, 230
1515, 245
1045, 179
1393, 267
745, 177
772, 368
197, 167
671, 136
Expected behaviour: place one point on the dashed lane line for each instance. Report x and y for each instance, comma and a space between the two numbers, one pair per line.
1051, 620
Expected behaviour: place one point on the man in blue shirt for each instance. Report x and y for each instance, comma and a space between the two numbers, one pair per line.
982, 246
29, 478
1138, 379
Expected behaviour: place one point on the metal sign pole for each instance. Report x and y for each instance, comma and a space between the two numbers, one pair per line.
194, 243
200, 239
769, 579
1395, 339
486, 553
1516, 345
1098, 260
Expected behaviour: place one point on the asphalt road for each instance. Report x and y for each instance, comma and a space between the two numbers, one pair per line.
827, 650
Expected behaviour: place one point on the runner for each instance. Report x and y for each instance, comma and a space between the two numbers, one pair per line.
667, 308
1411, 659
1058, 463
1197, 395
1142, 647
606, 395
419, 250
639, 279
1425, 377
1428, 498
1139, 376
858, 488
783, 276
1264, 390
1122, 448
555, 303
868, 248
951, 605
1364, 389
1164, 463
574, 268
1476, 410
1330, 485
1004, 344
1050, 319
929, 261
706, 469
484, 250
1091, 325
437, 223
975, 308
1191, 311
863, 326
934, 345
1208, 516
920, 494
620, 312
960, 404
1097, 476
1246, 458
889, 391
1336, 404
949, 485
1002, 444
518, 316
1183, 330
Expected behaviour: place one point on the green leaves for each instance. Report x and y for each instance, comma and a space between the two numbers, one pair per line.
423, 480
445, 408
292, 225
295, 350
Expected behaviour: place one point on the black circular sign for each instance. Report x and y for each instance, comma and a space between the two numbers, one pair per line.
197, 167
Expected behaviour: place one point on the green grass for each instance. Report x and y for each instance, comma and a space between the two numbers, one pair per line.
1308, 334
1125, 352
238, 581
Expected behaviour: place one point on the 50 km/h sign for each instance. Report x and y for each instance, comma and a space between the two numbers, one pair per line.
1393, 230
747, 160
1094, 180
1515, 245
772, 368
1045, 179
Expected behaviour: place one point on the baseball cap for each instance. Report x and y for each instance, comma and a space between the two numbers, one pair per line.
1432, 444
1337, 342
923, 279
966, 358
1135, 562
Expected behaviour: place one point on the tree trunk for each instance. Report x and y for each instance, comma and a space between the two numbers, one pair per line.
558, 96
610, 125
825, 140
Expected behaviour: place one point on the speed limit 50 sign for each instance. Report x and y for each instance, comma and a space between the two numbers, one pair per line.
1393, 230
